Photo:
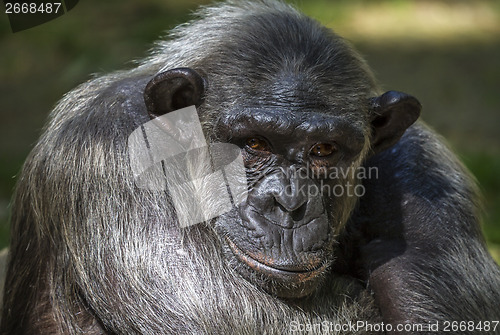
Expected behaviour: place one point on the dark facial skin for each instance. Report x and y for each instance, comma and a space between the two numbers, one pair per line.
285, 231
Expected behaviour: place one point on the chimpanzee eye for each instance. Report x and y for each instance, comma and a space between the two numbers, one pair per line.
323, 149
258, 144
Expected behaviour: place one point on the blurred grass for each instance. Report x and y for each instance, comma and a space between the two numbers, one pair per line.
446, 52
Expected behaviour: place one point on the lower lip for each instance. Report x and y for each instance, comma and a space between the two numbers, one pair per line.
292, 276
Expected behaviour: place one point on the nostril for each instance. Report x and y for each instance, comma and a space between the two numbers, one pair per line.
279, 205
297, 210
299, 213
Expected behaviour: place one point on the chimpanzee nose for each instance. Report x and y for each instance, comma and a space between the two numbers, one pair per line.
292, 198
296, 207
291, 202
287, 198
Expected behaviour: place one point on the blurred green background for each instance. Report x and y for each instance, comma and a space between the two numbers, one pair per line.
447, 53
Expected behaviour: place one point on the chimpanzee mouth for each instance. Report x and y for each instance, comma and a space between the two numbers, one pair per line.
285, 273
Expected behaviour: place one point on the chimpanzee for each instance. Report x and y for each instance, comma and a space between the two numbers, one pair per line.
356, 218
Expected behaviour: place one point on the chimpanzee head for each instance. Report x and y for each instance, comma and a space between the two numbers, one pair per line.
305, 111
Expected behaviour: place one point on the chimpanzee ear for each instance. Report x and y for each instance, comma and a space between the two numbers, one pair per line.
392, 113
173, 89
